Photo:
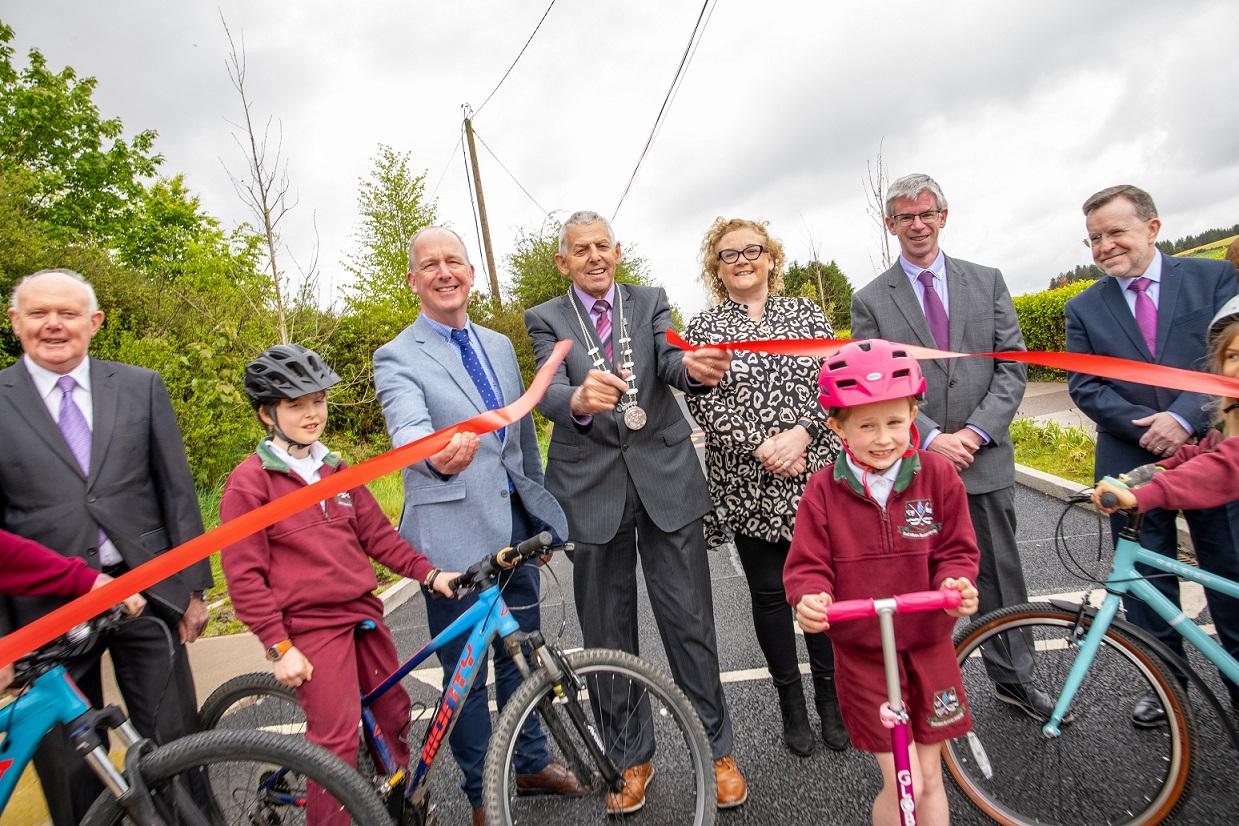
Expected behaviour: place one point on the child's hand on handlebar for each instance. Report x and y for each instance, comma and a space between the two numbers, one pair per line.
444, 582
968, 598
133, 605
811, 612
1127, 499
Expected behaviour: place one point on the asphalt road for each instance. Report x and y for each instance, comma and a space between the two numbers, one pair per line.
828, 787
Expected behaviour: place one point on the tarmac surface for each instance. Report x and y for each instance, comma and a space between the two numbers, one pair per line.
828, 787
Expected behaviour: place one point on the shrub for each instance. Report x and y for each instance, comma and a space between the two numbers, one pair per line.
1043, 320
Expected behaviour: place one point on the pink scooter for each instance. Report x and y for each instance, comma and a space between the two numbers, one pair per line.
894, 714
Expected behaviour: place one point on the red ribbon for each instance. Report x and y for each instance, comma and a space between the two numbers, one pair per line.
49, 626
1107, 367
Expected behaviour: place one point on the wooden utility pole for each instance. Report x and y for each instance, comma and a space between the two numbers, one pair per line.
477, 186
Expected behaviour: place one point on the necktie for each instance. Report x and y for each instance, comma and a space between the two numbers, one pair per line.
1146, 313
935, 313
602, 323
73, 426
473, 366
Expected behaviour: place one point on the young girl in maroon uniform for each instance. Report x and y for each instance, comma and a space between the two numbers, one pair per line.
303, 584
885, 519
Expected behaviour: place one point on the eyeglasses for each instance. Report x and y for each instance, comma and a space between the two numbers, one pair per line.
751, 253
905, 219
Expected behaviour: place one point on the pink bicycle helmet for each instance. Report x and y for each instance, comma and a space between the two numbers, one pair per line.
863, 372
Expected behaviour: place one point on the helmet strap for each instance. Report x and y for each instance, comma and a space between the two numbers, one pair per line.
914, 437
275, 429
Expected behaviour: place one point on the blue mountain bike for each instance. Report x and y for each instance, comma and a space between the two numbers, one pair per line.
595, 739
208, 779
1089, 762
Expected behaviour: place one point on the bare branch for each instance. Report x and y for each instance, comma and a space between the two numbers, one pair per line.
875, 184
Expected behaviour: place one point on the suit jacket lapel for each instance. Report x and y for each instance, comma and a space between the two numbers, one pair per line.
959, 295
1112, 297
103, 398
25, 399
1167, 297
905, 299
448, 358
588, 339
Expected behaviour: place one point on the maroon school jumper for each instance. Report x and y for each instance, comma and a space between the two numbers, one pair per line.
1204, 475
30, 569
308, 578
848, 546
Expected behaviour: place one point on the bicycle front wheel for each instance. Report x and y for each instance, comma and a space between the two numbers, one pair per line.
1101, 768
631, 710
253, 701
224, 778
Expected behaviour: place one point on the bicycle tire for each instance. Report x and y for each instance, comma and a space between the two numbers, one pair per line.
1016, 775
234, 797
683, 787
253, 701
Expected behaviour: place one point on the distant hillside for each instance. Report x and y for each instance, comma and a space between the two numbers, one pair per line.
1209, 244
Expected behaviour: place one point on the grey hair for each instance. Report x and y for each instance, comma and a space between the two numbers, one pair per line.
910, 187
1146, 210
92, 300
436, 228
578, 218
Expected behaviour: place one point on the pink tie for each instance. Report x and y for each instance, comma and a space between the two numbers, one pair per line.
1146, 313
935, 313
602, 323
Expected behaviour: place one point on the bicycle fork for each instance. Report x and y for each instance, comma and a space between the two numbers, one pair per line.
130, 793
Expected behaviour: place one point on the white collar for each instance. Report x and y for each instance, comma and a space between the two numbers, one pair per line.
45, 380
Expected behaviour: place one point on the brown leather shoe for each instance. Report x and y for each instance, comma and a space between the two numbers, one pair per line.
479, 816
632, 798
554, 779
732, 790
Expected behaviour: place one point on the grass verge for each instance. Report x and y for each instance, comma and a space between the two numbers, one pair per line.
1053, 448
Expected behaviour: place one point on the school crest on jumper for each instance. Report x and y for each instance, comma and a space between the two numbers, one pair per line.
947, 709
344, 499
918, 517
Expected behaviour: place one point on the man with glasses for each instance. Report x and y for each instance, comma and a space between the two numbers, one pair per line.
929, 299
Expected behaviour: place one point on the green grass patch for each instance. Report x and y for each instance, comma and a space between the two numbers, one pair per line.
1053, 448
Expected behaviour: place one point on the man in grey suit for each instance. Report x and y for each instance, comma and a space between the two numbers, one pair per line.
95, 467
622, 464
475, 496
929, 299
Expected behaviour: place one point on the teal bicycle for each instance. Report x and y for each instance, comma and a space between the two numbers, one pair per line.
1088, 763
207, 779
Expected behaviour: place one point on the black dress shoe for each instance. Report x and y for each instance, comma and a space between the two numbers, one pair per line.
1029, 699
1148, 712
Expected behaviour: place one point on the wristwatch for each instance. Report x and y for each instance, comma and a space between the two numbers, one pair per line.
275, 652
810, 427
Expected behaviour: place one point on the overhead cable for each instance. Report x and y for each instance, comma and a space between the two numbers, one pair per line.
485, 146
514, 62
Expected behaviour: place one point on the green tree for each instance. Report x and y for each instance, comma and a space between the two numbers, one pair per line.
535, 277
824, 284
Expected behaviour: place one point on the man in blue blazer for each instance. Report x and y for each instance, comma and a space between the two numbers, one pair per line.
475, 496
1153, 308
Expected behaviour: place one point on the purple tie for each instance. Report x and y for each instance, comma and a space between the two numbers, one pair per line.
1146, 313
935, 313
73, 424
602, 323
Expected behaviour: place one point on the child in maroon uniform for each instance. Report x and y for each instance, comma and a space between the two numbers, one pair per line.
303, 584
885, 519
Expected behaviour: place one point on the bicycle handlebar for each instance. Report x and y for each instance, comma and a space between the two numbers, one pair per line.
74, 642
487, 567
914, 602
1109, 500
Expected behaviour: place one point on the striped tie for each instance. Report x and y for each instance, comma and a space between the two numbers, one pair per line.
73, 426
602, 323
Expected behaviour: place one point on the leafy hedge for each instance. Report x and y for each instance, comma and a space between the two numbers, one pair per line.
1043, 320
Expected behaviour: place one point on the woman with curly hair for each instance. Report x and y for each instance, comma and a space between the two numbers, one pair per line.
765, 435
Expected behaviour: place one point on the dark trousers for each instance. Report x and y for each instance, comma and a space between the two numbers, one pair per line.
1000, 582
677, 577
772, 616
144, 667
471, 735
1211, 532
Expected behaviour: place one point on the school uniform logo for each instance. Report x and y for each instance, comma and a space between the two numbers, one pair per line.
344, 500
947, 709
918, 517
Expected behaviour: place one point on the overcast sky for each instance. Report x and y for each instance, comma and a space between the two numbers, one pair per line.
1019, 112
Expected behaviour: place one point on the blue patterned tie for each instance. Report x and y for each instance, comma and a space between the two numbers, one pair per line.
473, 366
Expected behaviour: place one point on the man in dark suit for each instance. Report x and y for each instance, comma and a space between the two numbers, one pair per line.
1152, 308
623, 466
95, 467
929, 299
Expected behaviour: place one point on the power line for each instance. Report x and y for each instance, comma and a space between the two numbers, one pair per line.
689, 50
447, 165
485, 146
478, 111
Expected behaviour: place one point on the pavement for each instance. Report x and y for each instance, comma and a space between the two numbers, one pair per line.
827, 787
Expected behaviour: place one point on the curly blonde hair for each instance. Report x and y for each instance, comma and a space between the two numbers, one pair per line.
710, 262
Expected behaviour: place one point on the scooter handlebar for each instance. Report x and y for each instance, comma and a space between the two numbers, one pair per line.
915, 602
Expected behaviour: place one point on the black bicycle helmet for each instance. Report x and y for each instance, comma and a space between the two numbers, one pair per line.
1229, 313
286, 371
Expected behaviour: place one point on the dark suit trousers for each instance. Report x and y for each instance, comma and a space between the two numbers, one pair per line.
677, 577
1211, 532
1000, 581
144, 667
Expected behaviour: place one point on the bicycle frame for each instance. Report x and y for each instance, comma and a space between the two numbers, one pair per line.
1125, 579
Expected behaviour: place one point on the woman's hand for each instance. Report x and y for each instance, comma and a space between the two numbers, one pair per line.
293, 668
811, 612
1127, 499
779, 453
968, 598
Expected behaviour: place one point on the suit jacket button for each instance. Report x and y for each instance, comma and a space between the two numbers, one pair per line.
91, 499
504, 494
623, 447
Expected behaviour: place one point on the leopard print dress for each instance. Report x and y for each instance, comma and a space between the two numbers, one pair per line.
761, 395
